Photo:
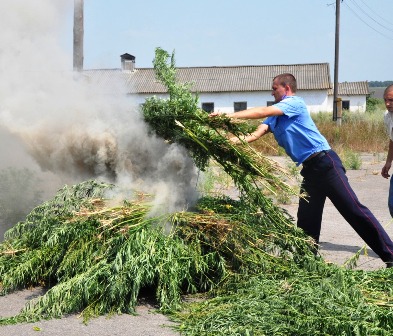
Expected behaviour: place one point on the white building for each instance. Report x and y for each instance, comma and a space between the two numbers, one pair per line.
234, 88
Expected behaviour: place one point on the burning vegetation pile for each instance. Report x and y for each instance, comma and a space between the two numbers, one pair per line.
96, 258
255, 271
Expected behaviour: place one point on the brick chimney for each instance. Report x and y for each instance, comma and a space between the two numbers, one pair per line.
127, 62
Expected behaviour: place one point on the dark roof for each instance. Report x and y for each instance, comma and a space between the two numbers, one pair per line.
218, 79
127, 57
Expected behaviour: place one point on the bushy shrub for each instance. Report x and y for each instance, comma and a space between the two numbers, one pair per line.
373, 104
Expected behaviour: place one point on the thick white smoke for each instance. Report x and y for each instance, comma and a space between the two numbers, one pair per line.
57, 122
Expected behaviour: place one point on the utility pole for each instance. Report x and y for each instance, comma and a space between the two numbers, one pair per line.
336, 110
78, 35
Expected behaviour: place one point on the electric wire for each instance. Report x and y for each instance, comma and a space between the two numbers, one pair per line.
365, 13
383, 19
361, 19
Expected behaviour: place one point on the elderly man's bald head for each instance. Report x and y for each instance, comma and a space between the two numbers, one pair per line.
388, 98
388, 89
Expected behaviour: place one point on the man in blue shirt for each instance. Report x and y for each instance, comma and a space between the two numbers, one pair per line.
322, 170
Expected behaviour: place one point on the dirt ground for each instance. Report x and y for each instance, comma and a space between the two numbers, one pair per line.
338, 243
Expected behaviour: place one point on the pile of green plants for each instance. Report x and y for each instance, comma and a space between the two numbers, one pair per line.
95, 257
309, 298
243, 265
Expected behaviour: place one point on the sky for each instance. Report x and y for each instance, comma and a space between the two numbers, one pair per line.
249, 32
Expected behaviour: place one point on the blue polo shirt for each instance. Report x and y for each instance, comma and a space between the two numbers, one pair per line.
295, 131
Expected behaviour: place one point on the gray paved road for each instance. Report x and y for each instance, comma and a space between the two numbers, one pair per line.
146, 323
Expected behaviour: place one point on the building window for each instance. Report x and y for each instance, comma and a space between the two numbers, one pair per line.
239, 106
269, 103
208, 107
345, 105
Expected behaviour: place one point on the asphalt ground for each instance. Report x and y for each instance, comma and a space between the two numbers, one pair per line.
146, 323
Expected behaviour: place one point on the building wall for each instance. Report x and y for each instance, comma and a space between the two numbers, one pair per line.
316, 100
224, 101
356, 103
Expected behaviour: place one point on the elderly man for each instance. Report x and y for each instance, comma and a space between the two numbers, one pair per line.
388, 118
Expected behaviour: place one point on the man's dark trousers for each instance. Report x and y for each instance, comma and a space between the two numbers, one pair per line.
325, 177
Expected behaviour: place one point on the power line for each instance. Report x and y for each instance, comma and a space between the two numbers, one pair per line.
365, 13
383, 19
360, 18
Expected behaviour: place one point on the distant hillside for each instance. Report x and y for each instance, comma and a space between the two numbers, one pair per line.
380, 83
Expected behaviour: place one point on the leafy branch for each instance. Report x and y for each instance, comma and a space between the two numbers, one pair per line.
179, 119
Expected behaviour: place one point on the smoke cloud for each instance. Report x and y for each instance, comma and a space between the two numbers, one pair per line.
69, 128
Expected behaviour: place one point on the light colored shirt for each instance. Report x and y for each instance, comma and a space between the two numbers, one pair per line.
295, 131
388, 119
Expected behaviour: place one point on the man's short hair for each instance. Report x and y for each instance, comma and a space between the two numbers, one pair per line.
287, 79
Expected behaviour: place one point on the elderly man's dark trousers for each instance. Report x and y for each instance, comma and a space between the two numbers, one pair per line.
325, 177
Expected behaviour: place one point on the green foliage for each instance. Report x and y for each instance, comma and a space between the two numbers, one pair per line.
379, 83
258, 278
96, 259
373, 104
178, 119
304, 300
169, 118
351, 160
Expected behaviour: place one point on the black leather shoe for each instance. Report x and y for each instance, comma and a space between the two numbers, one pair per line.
389, 264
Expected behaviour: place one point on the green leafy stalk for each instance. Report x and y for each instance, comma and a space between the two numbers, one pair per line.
178, 119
